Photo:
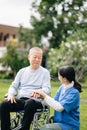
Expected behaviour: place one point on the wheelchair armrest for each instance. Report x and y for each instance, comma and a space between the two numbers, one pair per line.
51, 119
44, 109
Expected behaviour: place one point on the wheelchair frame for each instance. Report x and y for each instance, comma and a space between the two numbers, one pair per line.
41, 117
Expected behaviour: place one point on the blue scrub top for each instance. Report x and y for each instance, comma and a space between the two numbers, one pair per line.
68, 119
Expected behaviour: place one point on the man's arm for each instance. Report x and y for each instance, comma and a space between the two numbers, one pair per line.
15, 84
46, 83
12, 91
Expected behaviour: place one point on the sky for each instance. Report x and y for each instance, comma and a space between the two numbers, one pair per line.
15, 12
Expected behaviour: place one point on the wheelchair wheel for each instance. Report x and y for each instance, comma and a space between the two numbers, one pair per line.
16, 121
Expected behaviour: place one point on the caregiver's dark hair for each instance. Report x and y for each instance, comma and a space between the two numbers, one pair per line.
69, 73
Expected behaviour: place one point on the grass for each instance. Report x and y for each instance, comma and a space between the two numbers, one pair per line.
4, 85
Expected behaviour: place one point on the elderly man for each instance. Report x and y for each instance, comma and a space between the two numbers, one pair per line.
28, 79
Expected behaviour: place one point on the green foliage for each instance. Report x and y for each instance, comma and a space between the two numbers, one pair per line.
73, 52
15, 57
6, 75
26, 37
61, 18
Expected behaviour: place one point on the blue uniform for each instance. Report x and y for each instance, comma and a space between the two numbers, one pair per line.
68, 119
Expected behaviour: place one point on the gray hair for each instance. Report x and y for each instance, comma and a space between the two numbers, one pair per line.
35, 49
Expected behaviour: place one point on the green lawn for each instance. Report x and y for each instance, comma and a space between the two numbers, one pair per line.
4, 85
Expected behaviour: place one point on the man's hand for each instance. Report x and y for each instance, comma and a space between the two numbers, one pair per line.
38, 94
11, 98
35, 94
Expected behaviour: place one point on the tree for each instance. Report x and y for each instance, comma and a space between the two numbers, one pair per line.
26, 37
58, 18
73, 52
15, 57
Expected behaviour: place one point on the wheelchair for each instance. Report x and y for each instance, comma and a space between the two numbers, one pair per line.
41, 117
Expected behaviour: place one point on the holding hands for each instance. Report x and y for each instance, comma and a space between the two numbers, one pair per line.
38, 94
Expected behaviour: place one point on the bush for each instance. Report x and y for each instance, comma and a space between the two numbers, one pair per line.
73, 52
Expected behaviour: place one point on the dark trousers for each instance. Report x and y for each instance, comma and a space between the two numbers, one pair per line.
28, 105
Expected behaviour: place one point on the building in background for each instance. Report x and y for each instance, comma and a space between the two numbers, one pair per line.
6, 32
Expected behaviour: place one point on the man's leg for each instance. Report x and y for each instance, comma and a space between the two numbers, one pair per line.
6, 108
30, 108
5, 115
